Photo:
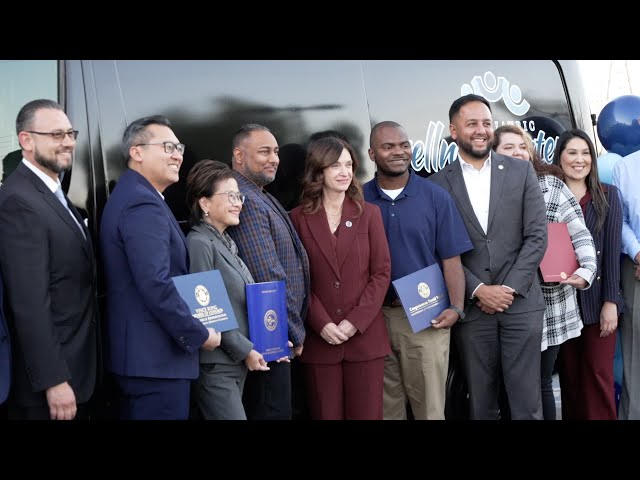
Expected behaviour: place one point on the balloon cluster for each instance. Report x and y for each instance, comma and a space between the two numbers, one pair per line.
619, 132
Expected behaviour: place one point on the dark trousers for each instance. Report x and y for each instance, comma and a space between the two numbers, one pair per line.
345, 390
585, 365
143, 398
502, 342
267, 395
547, 362
16, 412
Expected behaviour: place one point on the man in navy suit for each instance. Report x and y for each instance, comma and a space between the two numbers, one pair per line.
152, 338
49, 274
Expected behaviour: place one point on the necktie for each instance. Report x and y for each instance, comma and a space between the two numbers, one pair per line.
63, 201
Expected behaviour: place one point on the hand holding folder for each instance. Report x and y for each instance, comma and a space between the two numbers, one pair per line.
559, 260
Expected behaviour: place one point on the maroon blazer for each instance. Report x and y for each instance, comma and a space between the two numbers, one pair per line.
349, 282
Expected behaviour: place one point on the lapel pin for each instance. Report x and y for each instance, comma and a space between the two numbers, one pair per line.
500, 167
348, 223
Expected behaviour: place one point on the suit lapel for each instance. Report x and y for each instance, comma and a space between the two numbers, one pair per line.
143, 181
498, 173
174, 222
222, 249
50, 198
348, 229
459, 192
319, 228
86, 241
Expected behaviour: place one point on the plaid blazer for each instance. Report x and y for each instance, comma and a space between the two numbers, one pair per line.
271, 248
562, 320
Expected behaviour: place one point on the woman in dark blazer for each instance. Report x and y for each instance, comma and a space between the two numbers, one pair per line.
586, 362
350, 266
215, 203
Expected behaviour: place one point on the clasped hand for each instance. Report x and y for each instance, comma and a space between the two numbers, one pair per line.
336, 334
494, 298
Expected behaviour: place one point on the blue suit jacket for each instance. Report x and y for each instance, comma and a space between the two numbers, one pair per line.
5, 352
150, 331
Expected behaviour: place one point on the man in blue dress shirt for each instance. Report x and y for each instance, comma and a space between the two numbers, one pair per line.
625, 178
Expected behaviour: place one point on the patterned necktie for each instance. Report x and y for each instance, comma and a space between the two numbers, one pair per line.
64, 203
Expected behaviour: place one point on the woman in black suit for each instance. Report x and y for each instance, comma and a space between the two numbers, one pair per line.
586, 362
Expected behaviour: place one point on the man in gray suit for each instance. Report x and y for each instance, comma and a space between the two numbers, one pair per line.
504, 211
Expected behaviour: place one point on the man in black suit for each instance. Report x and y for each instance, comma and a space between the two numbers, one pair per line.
47, 263
504, 211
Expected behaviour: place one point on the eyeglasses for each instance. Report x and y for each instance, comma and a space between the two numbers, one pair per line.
169, 147
234, 197
58, 135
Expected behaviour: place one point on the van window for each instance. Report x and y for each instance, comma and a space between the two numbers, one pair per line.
22, 81
418, 94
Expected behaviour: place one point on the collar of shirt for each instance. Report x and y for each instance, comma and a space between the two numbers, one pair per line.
465, 165
48, 181
409, 190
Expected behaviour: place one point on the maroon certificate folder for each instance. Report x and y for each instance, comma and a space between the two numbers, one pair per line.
559, 260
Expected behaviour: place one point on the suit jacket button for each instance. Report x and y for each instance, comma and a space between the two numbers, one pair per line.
338, 312
598, 252
598, 279
336, 284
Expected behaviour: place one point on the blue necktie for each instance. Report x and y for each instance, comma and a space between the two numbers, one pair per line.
63, 201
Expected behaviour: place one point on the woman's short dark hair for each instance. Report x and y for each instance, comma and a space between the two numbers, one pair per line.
203, 181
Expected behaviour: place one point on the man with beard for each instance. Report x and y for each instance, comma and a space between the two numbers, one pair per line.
504, 211
423, 227
271, 248
47, 264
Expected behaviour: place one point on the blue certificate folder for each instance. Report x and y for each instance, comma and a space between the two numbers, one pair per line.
423, 295
268, 324
207, 298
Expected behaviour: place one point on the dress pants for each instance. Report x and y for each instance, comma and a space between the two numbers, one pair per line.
267, 395
345, 390
502, 342
218, 391
630, 342
416, 369
144, 398
15, 412
585, 365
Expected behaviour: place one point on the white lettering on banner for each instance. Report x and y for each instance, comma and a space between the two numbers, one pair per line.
436, 150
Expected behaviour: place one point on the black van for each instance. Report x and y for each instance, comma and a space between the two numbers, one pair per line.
207, 100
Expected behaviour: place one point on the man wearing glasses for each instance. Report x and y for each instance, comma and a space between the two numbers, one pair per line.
152, 340
272, 250
47, 263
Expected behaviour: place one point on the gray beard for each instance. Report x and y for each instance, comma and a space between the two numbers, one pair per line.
49, 164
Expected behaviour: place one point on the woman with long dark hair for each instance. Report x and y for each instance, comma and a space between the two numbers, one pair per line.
586, 362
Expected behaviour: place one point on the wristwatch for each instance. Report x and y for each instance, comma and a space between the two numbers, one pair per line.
457, 310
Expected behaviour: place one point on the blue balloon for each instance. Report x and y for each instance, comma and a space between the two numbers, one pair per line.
606, 162
619, 125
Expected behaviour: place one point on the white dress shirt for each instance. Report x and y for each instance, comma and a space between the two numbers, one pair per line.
478, 183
